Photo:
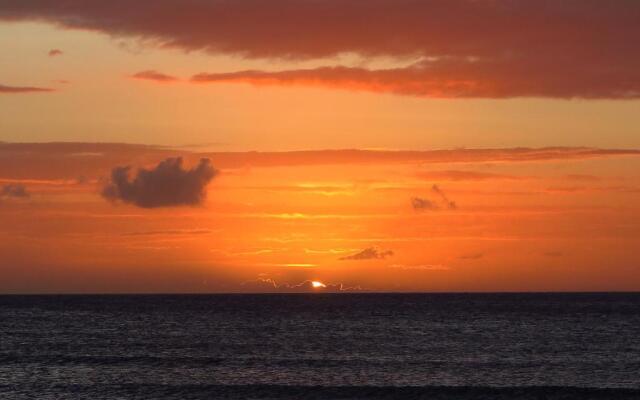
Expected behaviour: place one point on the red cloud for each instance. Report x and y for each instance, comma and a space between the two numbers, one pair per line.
155, 76
23, 89
467, 48
55, 52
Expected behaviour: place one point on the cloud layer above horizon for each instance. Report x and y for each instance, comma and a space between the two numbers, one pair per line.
455, 48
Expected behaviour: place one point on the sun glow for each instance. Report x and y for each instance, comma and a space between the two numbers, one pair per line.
317, 285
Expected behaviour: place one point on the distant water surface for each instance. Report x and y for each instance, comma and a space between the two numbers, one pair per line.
182, 345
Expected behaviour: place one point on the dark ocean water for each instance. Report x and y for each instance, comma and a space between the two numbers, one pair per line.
321, 346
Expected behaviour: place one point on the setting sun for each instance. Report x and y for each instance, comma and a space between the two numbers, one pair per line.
317, 285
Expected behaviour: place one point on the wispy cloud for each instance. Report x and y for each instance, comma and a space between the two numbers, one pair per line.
423, 204
450, 204
370, 253
471, 256
455, 175
152, 75
23, 89
170, 232
64, 160
55, 52
15, 191
420, 267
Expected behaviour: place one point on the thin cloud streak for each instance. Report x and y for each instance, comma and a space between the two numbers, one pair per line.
370, 253
155, 76
51, 161
5, 89
449, 79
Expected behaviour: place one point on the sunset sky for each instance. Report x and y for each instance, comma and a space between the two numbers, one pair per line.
378, 145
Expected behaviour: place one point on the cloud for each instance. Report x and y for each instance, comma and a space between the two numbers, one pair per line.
582, 177
464, 48
370, 253
66, 160
167, 185
449, 203
420, 267
456, 77
422, 204
454, 176
55, 52
262, 285
151, 75
170, 232
15, 191
23, 89
451, 78
471, 256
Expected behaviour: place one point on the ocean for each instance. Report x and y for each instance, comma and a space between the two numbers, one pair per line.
320, 346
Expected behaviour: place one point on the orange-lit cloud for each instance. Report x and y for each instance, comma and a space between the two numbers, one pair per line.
451, 78
420, 267
456, 176
152, 75
480, 48
64, 160
5, 89
55, 52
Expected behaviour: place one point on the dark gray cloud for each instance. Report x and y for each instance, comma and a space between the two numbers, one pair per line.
471, 256
450, 204
16, 191
370, 253
166, 185
422, 204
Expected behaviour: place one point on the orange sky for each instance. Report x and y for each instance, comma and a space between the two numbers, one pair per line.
491, 146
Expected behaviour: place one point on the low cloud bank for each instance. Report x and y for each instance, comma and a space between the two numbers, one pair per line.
262, 285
